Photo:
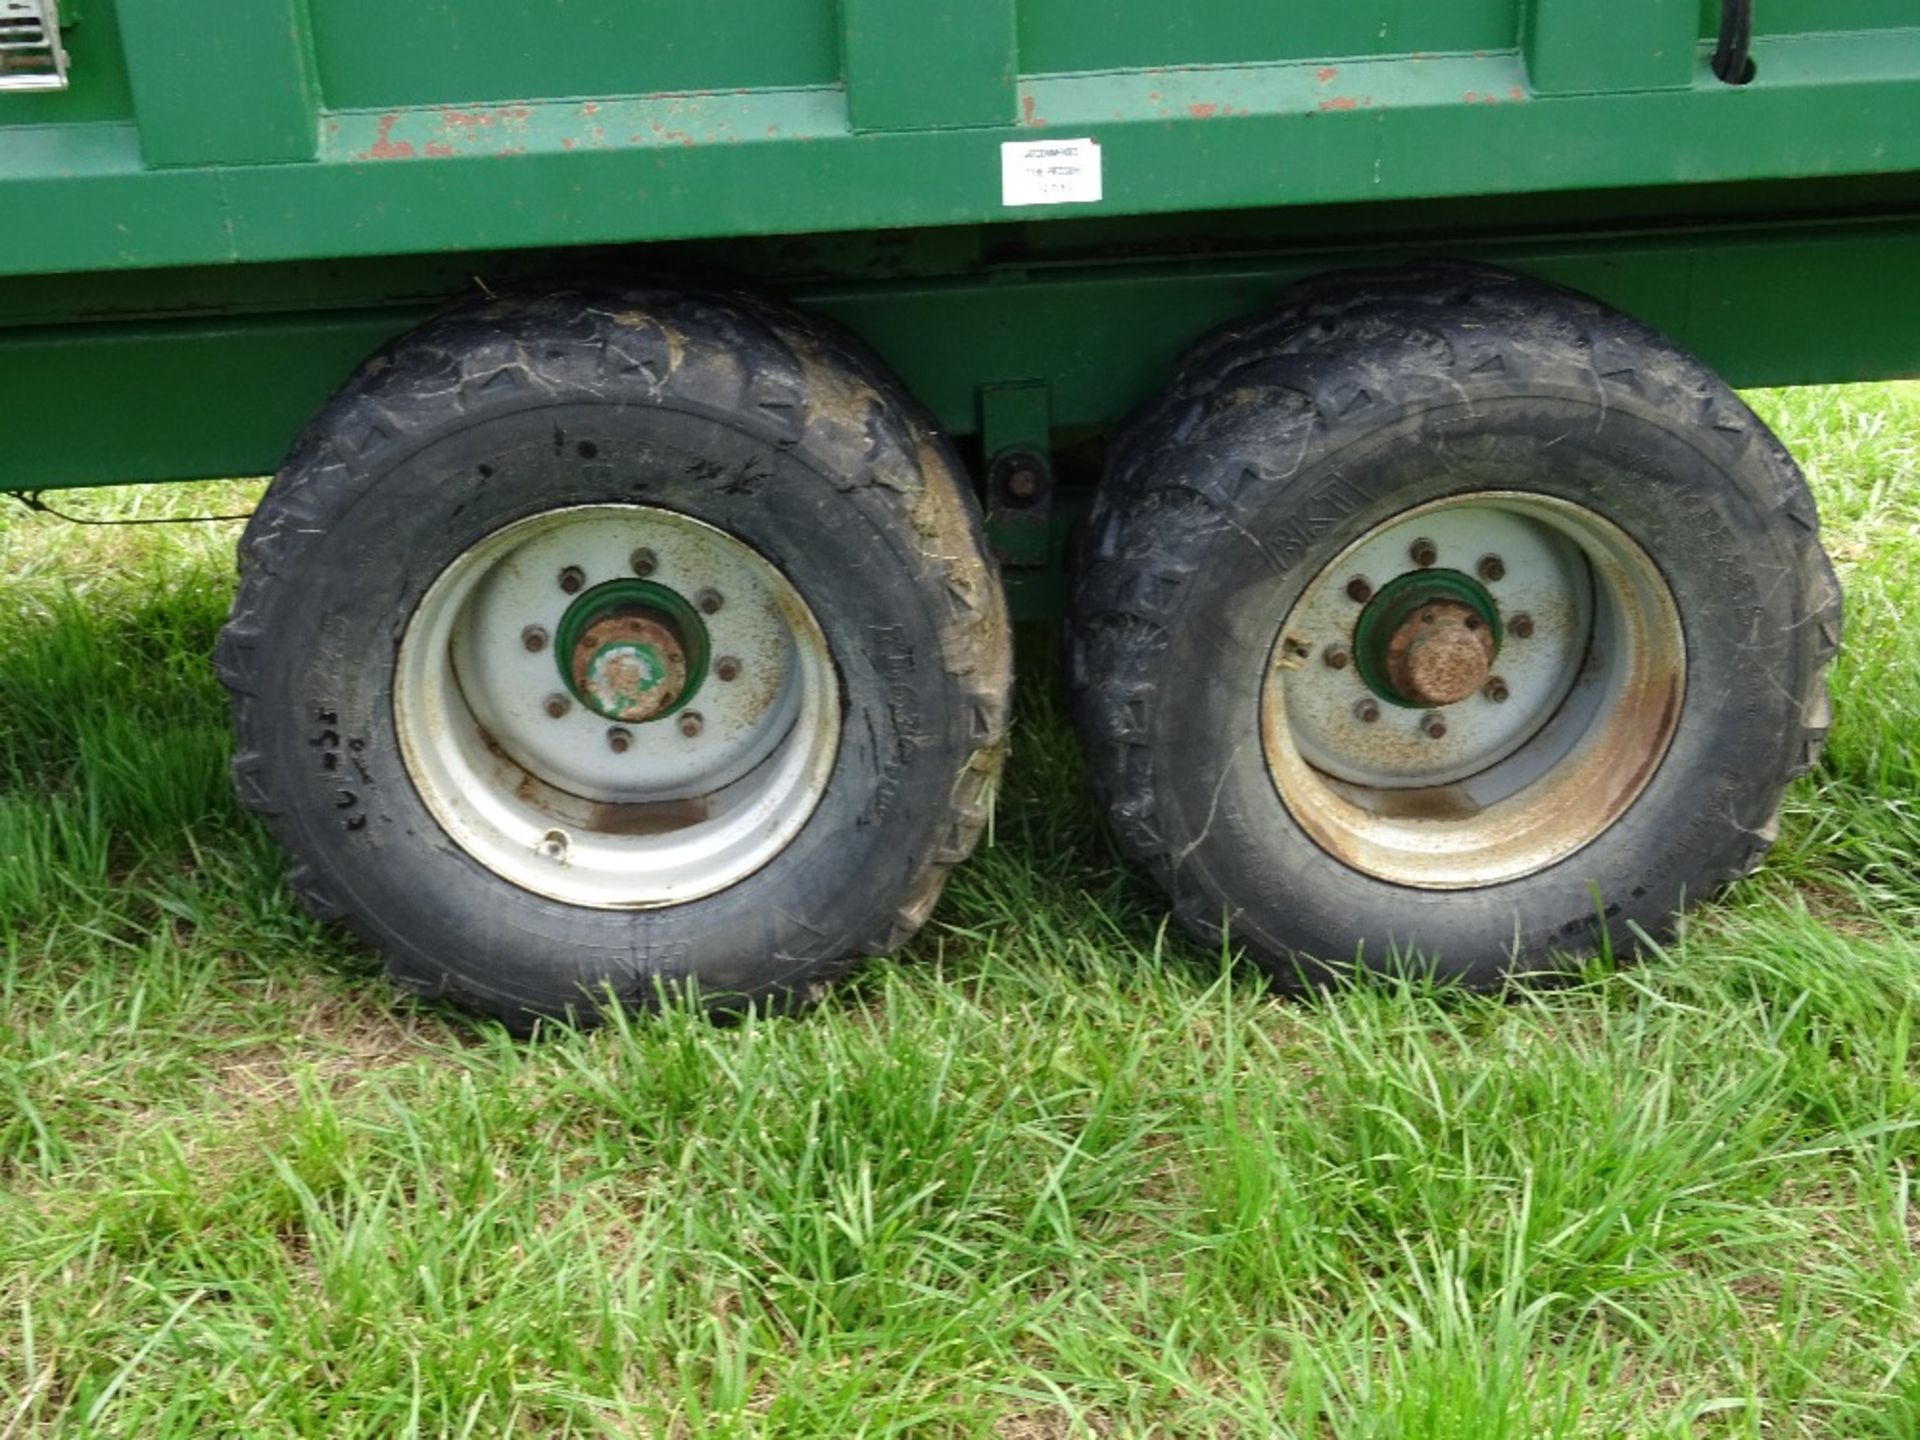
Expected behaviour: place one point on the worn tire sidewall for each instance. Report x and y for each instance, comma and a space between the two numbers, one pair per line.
1732, 578
450, 926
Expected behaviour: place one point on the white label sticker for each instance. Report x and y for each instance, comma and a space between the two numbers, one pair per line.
1049, 172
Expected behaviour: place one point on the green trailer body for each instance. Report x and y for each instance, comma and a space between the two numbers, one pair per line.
276, 188
1028, 209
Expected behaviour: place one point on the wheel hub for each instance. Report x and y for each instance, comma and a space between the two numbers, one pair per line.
1428, 638
633, 651
1441, 657
533, 674
1459, 729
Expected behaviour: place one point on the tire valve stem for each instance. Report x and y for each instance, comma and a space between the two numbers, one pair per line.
553, 845
619, 739
1367, 711
1433, 726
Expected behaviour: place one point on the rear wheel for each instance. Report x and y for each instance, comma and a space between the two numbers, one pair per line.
594, 643
1441, 614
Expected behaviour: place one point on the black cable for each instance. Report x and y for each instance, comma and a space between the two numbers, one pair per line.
1733, 56
31, 499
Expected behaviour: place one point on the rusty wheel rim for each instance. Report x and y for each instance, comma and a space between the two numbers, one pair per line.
617, 706
1473, 690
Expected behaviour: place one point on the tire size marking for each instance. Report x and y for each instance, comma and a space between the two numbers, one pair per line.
345, 798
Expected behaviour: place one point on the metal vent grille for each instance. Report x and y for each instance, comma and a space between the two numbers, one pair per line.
31, 56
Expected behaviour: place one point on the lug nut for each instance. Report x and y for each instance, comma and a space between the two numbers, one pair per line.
1367, 711
1521, 626
557, 705
691, 724
643, 561
1023, 483
1359, 590
572, 578
1433, 727
726, 668
534, 638
1496, 690
1424, 553
619, 738
1336, 657
1492, 568
708, 600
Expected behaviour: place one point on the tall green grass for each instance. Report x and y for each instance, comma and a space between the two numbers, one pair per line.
1050, 1174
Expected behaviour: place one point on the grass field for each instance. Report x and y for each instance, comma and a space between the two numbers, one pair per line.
1049, 1174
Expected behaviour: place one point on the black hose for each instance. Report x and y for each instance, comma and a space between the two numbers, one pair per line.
1732, 57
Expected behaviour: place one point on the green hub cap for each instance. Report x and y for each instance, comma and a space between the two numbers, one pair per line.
1427, 639
632, 650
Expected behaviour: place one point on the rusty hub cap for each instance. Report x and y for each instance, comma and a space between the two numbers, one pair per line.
631, 650
1428, 638
630, 666
1442, 655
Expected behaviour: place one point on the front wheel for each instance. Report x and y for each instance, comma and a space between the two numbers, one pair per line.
591, 644
1447, 619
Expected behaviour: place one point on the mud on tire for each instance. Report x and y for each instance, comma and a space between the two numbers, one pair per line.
726, 409
1286, 437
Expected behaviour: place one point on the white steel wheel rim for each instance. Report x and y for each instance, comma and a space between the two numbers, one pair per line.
670, 809
1589, 681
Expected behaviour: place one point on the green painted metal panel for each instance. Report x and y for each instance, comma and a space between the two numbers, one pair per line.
187, 400
390, 54
1575, 47
894, 48
1801, 17
1064, 35
228, 82
619, 171
1779, 306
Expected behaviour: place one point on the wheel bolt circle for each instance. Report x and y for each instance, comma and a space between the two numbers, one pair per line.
1423, 552
708, 600
1336, 657
643, 561
1521, 626
534, 638
1359, 589
572, 578
1496, 690
726, 668
691, 724
1492, 568
557, 705
1433, 727
1367, 711
619, 738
